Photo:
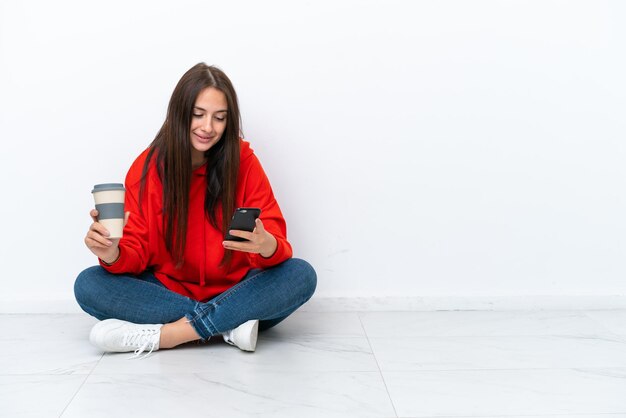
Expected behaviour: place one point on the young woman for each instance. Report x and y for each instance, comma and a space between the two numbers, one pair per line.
173, 278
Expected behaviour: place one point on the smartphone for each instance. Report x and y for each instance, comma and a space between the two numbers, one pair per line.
243, 220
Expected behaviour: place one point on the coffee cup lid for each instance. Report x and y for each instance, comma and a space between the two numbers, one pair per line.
107, 186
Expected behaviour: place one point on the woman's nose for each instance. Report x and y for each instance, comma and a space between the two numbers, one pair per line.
208, 125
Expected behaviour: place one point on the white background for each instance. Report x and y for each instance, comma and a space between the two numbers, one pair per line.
428, 149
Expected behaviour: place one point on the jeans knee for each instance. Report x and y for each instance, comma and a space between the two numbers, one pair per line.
84, 285
306, 275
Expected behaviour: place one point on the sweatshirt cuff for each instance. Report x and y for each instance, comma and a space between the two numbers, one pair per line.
115, 267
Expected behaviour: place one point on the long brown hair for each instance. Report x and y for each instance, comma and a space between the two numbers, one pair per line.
172, 146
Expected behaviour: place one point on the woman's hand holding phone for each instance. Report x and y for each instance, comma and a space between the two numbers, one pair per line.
259, 241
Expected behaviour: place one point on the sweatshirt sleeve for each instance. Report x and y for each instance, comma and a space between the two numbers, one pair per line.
258, 193
133, 245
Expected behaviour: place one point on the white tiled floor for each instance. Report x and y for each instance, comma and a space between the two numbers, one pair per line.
355, 364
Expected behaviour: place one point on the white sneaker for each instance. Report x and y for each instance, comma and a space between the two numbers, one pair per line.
123, 336
244, 336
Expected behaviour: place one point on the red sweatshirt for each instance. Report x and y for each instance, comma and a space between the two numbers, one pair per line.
143, 244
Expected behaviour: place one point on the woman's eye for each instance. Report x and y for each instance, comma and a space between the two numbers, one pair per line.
197, 116
221, 119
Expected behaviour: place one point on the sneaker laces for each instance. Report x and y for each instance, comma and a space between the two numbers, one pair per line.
142, 339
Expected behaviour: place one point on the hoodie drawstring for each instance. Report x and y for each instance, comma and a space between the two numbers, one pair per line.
204, 245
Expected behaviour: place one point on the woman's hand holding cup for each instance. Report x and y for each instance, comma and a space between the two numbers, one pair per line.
109, 220
98, 242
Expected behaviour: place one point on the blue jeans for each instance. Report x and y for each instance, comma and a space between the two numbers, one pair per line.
269, 295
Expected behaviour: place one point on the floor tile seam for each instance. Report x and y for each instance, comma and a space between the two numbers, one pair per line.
547, 339
393, 406
605, 309
603, 326
521, 369
81, 386
526, 369
44, 374
574, 415
310, 336
510, 369
52, 339
577, 336
496, 309
583, 414
196, 372
379, 371
588, 337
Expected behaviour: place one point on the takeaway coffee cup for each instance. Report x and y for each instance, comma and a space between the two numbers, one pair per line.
109, 199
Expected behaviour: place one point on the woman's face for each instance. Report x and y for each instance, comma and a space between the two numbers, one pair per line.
208, 122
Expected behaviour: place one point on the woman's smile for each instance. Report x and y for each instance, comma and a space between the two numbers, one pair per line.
203, 138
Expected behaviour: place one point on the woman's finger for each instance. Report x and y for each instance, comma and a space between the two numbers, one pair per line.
240, 246
94, 246
99, 228
94, 215
241, 234
98, 241
93, 235
93, 243
260, 228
